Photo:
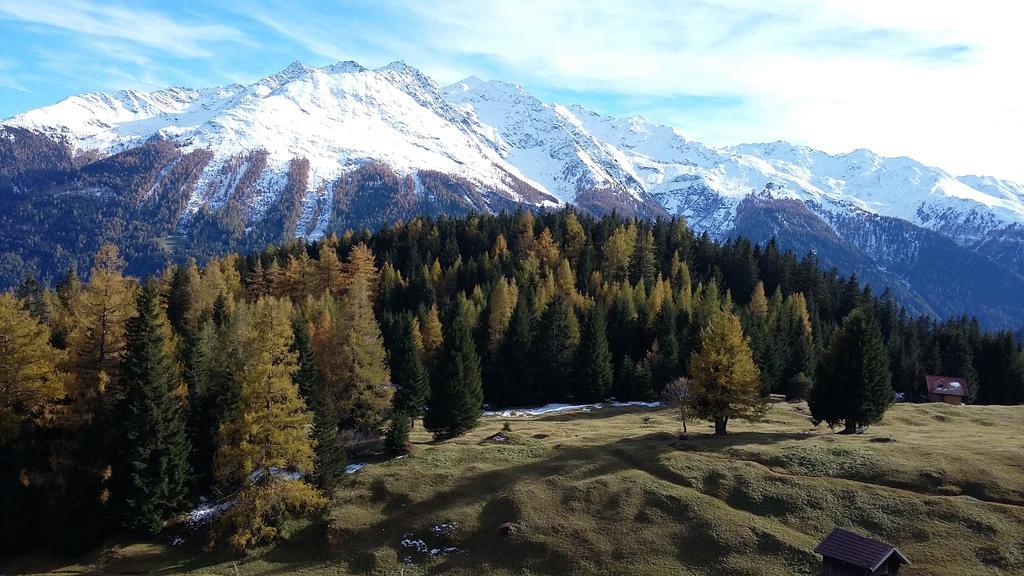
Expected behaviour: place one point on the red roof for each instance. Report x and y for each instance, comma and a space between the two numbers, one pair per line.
857, 550
946, 385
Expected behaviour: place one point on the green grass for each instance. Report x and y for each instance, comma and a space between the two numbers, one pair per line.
616, 491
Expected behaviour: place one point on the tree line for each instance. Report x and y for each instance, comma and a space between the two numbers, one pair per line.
250, 379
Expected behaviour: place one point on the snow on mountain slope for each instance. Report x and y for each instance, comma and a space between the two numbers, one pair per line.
897, 187
705, 184
112, 122
548, 143
500, 137
337, 117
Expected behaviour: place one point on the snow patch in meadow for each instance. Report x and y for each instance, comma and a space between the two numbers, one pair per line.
555, 408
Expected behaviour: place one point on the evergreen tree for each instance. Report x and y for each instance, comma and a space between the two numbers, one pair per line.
397, 438
457, 395
725, 382
31, 295
594, 374
668, 366
643, 377
179, 299
558, 336
643, 263
329, 456
154, 473
412, 385
192, 358
853, 383
305, 376
512, 364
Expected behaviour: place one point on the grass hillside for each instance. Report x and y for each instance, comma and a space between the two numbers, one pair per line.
616, 491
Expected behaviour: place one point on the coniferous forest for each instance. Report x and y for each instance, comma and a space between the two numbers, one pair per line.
124, 400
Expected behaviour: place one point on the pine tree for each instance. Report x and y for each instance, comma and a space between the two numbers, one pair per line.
456, 397
192, 357
643, 264
558, 336
397, 438
643, 377
725, 382
852, 383
329, 456
668, 366
179, 299
153, 478
594, 374
407, 370
305, 376
31, 295
512, 363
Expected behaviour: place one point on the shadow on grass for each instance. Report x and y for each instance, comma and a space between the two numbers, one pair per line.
712, 443
503, 538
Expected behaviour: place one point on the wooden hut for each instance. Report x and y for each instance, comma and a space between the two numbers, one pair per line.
948, 389
844, 553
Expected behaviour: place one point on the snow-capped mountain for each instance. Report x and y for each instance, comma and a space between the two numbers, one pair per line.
309, 150
337, 118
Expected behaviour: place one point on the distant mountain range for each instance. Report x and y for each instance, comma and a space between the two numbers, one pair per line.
192, 172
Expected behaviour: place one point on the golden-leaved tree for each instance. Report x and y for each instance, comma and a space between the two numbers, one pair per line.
97, 340
29, 380
352, 357
269, 435
725, 381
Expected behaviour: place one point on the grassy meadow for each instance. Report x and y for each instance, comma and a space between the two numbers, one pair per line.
617, 491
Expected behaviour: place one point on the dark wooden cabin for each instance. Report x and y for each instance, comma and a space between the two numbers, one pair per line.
844, 553
948, 389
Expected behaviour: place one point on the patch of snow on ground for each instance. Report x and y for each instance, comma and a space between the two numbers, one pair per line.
207, 511
555, 408
353, 468
281, 473
444, 530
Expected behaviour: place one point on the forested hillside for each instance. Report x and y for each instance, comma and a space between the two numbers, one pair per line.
125, 399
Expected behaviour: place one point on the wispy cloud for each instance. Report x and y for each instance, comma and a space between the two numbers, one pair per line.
936, 80
139, 26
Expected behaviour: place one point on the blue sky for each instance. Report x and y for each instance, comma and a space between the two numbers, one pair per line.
938, 81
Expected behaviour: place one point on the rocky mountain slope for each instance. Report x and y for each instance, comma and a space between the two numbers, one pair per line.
185, 172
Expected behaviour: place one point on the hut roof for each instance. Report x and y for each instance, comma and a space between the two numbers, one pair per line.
946, 385
857, 550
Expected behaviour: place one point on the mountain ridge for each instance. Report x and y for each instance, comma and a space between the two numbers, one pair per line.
319, 133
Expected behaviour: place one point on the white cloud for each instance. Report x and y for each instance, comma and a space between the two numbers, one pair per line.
138, 26
935, 80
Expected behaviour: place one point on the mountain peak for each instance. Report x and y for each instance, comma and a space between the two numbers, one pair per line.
343, 67
294, 70
465, 85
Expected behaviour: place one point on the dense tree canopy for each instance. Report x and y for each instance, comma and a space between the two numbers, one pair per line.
278, 363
